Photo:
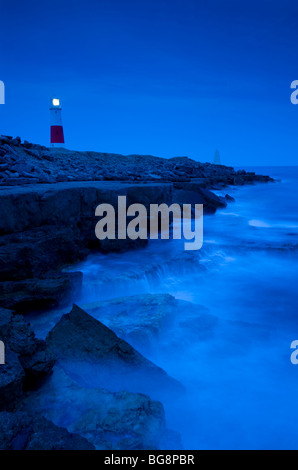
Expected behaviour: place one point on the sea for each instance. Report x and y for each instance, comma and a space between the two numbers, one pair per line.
241, 387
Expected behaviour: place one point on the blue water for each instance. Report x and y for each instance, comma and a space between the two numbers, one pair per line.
241, 387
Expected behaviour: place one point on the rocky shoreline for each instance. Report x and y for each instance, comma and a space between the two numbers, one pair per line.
27, 163
48, 199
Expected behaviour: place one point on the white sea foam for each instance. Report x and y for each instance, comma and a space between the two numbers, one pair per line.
259, 223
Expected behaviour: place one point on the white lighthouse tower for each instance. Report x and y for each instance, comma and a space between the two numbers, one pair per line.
57, 134
216, 159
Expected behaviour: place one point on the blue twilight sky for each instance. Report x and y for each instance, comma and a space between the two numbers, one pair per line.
161, 77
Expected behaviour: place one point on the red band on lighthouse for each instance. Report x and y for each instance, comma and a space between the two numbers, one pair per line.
57, 136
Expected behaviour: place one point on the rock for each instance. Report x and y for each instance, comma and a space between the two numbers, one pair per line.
263, 179
46, 179
149, 194
110, 361
194, 184
109, 420
5, 139
19, 431
238, 180
22, 167
32, 176
26, 254
70, 204
198, 323
16, 181
198, 195
27, 144
16, 141
40, 293
11, 174
138, 318
120, 246
35, 152
33, 354
229, 198
48, 157
65, 164
37, 364
57, 227
12, 377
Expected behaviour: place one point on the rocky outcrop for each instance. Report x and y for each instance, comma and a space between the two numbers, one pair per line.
40, 293
46, 228
142, 319
193, 194
27, 359
32, 253
12, 377
111, 362
89, 354
19, 431
109, 420
70, 204
137, 318
27, 163
229, 198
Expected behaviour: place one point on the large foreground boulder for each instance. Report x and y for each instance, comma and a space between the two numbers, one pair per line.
119, 420
19, 431
27, 359
91, 352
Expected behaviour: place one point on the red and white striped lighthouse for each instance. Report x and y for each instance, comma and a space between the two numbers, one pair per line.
57, 135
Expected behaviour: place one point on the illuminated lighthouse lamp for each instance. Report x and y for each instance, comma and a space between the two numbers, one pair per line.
57, 134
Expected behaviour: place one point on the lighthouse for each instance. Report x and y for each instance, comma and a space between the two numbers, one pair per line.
216, 160
57, 135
